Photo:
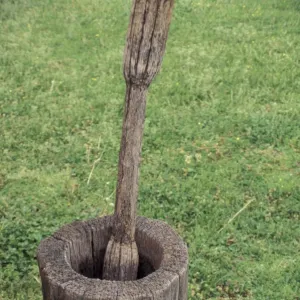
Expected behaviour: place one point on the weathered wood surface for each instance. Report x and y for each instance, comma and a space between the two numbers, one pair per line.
70, 263
145, 46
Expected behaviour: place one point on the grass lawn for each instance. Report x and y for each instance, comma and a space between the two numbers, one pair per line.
221, 150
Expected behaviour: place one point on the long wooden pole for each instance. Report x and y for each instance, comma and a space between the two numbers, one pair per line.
146, 40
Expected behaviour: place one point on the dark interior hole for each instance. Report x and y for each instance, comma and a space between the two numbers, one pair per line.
94, 270
145, 268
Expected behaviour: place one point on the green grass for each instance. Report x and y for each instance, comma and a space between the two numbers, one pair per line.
222, 129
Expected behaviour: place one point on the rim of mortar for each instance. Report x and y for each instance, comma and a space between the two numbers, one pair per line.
54, 259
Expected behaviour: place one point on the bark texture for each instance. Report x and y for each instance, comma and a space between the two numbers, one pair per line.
145, 46
70, 263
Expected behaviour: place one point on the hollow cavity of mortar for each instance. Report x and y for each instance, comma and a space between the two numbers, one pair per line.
85, 253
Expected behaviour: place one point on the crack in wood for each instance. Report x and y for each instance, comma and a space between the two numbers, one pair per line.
142, 37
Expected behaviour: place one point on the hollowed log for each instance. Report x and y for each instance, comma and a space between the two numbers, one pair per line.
71, 263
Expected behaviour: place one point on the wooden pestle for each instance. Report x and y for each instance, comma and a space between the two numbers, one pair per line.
145, 45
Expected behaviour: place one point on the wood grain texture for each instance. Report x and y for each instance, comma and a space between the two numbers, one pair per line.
121, 258
121, 261
145, 46
129, 160
70, 270
146, 39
